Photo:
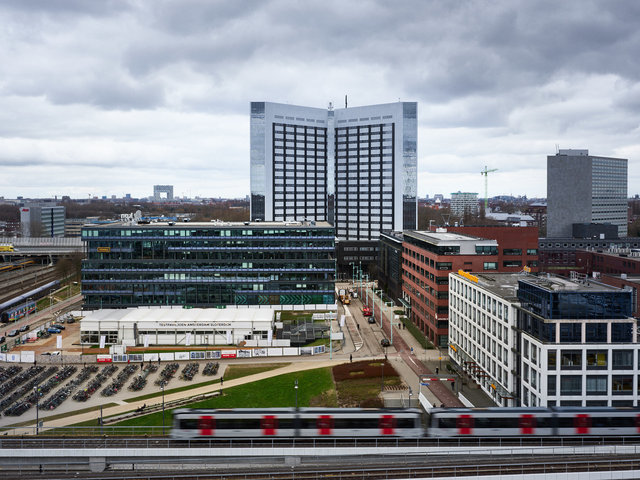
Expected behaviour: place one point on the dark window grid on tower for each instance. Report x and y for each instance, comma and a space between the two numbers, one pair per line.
364, 144
299, 173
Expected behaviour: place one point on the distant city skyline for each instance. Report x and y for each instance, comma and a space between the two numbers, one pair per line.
167, 103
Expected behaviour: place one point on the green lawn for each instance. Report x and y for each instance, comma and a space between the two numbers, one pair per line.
272, 392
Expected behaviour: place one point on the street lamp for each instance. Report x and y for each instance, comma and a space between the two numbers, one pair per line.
366, 287
163, 408
295, 386
390, 305
373, 300
410, 394
35, 391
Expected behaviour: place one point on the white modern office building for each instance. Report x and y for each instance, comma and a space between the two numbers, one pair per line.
545, 341
583, 188
42, 220
464, 203
353, 167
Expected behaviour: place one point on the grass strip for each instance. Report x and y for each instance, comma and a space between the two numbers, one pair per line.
271, 392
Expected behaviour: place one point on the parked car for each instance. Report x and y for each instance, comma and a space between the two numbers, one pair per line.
53, 330
385, 342
53, 354
71, 320
24, 328
12, 333
2, 339
371, 320
58, 326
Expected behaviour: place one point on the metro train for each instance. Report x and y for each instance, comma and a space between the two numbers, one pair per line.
290, 422
440, 422
16, 308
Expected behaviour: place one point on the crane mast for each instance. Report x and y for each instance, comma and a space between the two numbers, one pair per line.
486, 173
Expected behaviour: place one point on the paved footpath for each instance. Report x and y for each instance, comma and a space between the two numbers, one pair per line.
410, 351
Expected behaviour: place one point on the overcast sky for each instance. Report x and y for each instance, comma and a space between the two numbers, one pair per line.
109, 97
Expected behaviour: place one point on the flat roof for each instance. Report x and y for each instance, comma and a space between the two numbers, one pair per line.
168, 314
561, 284
215, 224
437, 238
504, 285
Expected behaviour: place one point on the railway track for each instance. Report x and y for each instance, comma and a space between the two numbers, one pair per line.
77, 441
394, 468
15, 287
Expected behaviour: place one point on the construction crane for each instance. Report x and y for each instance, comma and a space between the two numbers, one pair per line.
486, 173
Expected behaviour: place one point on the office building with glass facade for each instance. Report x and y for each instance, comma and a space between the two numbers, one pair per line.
208, 264
42, 220
545, 341
353, 167
583, 188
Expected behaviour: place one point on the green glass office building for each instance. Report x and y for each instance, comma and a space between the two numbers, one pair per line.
208, 264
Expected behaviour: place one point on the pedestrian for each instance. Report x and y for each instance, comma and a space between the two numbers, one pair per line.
453, 385
350, 357
437, 370
358, 327
221, 381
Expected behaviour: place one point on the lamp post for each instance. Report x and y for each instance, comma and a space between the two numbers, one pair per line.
366, 287
373, 300
28, 308
35, 391
295, 386
163, 408
410, 394
390, 305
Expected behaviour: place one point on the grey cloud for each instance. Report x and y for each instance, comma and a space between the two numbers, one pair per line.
64, 7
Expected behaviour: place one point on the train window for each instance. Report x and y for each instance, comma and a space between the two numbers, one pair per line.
404, 422
238, 423
286, 423
189, 424
355, 423
445, 422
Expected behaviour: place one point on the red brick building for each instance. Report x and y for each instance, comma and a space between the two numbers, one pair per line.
427, 260
518, 246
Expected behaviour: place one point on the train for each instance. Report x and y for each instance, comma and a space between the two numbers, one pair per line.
291, 422
7, 267
407, 423
17, 307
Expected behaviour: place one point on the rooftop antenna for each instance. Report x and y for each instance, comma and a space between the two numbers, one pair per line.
330, 106
557, 148
345, 101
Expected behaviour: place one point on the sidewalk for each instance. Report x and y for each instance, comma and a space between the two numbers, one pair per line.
423, 362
